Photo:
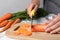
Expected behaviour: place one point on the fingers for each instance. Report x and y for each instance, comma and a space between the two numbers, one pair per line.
53, 22
58, 32
55, 31
53, 27
29, 9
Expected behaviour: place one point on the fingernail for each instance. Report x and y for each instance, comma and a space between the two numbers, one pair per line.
51, 32
46, 30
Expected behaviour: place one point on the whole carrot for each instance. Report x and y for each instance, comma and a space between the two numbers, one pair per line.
16, 21
33, 30
3, 23
5, 17
39, 27
7, 26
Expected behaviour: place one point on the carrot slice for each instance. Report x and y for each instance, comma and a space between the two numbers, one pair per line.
27, 33
5, 17
23, 30
18, 32
7, 26
25, 25
3, 23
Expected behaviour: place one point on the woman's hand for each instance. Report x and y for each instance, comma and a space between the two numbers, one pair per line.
33, 5
54, 25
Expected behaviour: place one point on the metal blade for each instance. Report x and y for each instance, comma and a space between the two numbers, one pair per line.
31, 21
32, 14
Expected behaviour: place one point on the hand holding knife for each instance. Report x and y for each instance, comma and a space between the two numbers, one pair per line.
32, 13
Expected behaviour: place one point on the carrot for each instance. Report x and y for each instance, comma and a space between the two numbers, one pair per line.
3, 23
5, 17
7, 26
25, 25
39, 27
16, 21
19, 31
23, 30
27, 33
33, 30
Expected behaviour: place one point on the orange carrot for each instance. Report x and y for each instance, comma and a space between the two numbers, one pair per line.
5, 17
18, 32
25, 25
3, 23
23, 30
39, 27
16, 21
33, 30
7, 26
27, 33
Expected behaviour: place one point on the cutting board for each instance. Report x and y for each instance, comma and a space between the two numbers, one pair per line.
34, 36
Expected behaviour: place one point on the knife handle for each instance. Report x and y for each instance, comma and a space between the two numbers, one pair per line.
32, 12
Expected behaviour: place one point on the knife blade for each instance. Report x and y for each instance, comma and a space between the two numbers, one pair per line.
32, 14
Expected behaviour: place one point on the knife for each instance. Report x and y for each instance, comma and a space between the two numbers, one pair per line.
32, 14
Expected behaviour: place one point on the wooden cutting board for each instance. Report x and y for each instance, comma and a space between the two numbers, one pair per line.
34, 36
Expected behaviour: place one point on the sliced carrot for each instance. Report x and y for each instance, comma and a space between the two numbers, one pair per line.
23, 30
3, 23
5, 17
25, 25
39, 27
7, 26
16, 21
17, 32
27, 33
